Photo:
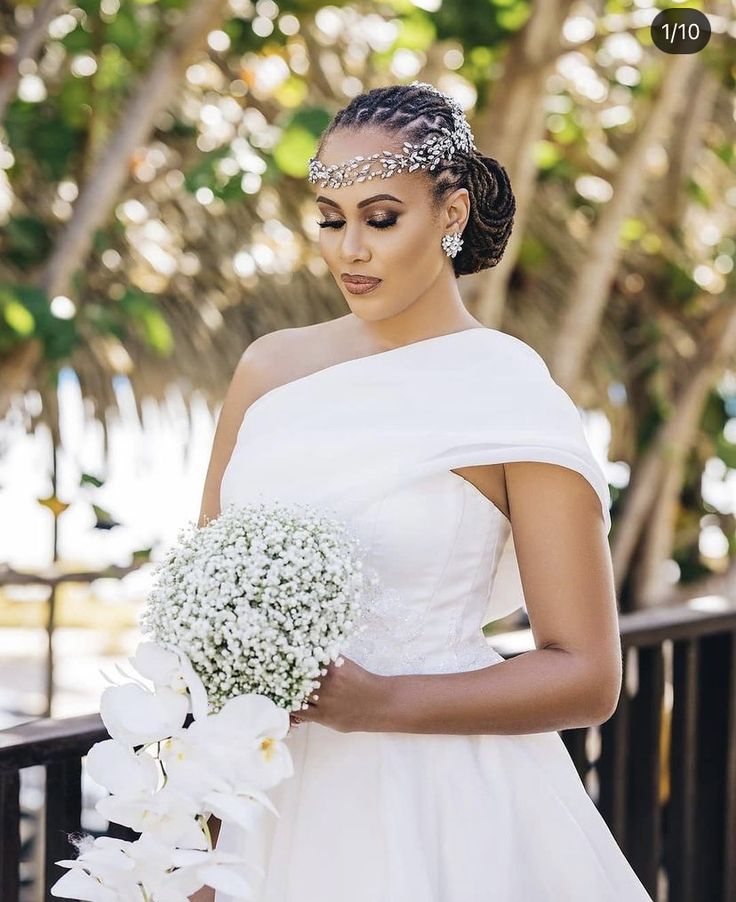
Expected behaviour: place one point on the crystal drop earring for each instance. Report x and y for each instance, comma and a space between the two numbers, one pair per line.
452, 244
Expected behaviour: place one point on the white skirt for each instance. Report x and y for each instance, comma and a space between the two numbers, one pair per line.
409, 817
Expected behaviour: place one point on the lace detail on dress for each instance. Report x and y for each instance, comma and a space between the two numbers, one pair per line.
388, 641
389, 630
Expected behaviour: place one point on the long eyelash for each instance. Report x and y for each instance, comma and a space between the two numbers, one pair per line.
337, 224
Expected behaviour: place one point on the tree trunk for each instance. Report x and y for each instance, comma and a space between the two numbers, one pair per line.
650, 500
591, 287
507, 130
689, 127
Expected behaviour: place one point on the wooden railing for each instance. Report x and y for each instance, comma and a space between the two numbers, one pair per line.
665, 762
662, 769
57, 745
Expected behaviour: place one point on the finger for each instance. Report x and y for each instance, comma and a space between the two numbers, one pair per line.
309, 715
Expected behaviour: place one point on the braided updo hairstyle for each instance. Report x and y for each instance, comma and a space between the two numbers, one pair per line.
413, 113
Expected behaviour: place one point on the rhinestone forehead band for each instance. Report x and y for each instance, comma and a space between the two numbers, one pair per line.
414, 156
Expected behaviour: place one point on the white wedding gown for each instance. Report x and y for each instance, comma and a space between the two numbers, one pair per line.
409, 817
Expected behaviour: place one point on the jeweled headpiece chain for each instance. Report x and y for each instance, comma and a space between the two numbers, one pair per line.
427, 155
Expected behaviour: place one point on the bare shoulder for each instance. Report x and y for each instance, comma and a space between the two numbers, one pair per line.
257, 371
286, 354
268, 361
261, 351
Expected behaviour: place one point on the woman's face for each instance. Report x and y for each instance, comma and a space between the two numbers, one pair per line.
384, 228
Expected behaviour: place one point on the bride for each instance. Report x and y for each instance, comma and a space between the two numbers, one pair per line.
427, 768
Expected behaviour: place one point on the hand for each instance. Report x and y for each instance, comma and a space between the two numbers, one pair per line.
348, 698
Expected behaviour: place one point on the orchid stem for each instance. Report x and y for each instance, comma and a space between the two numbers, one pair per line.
206, 828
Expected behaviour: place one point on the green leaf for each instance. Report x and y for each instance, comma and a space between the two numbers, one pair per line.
156, 331
415, 32
42, 138
632, 229
25, 305
726, 451
547, 154
293, 151
144, 314
133, 34
26, 241
18, 317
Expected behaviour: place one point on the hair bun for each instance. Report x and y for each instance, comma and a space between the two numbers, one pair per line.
491, 215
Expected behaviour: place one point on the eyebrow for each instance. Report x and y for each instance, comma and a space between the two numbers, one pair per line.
362, 203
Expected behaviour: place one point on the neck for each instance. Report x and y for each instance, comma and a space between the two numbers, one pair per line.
431, 314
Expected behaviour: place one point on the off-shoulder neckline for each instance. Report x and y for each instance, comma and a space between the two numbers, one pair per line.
352, 360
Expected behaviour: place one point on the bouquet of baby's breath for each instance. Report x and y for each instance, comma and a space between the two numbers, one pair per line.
260, 599
245, 614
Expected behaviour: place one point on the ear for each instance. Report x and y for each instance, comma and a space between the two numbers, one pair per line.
457, 208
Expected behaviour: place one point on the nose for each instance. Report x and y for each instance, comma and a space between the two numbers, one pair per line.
353, 245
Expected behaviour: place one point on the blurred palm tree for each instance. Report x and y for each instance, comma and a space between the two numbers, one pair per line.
156, 217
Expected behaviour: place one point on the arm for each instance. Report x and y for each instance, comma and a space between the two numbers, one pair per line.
573, 677
249, 381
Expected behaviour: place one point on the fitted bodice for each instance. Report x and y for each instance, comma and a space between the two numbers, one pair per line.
374, 441
435, 544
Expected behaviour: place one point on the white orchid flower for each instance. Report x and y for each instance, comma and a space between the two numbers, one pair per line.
191, 770
80, 886
241, 808
156, 663
171, 668
153, 859
166, 814
121, 770
102, 872
244, 741
188, 765
221, 870
135, 716
237, 750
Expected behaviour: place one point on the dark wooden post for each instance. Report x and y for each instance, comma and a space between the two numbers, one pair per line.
63, 815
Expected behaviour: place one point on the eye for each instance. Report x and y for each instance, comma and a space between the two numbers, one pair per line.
376, 223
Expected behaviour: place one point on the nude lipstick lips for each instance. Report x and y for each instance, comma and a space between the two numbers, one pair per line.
359, 284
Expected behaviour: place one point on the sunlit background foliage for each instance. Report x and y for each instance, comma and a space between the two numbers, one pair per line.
155, 216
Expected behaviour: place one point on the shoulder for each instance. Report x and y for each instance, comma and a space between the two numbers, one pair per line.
282, 355
270, 348
264, 358
263, 350
512, 350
